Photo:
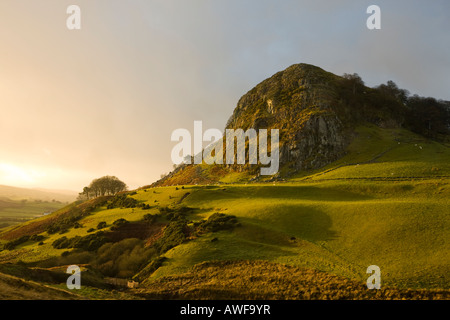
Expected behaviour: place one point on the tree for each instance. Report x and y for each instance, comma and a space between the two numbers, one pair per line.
354, 81
391, 89
104, 186
428, 116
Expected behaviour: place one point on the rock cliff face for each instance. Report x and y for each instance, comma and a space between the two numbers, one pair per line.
321, 141
301, 102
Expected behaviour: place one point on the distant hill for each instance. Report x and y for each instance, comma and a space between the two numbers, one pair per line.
15, 193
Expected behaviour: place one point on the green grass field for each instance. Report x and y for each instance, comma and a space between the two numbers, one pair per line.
335, 229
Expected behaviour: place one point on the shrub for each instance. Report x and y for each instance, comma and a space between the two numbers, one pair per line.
123, 258
101, 225
174, 235
150, 217
118, 223
37, 237
65, 253
185, 209
165, 210
174, 214
61, 243
122, 201
13, 243
217, 222
90, 242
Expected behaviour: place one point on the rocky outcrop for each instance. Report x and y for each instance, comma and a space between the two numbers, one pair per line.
299, 101
321, 141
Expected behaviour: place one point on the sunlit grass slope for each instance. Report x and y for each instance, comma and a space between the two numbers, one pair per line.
329, 227
388, 154
385, 203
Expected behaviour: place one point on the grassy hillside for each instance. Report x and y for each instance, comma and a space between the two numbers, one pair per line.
385, 203
328, 227
18, 289
388, 154
262, 280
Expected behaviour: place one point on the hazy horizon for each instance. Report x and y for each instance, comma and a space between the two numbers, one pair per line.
80, 104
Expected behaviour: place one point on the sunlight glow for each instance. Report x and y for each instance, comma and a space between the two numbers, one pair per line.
13, 175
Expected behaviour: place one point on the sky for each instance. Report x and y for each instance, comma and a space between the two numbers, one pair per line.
103, 100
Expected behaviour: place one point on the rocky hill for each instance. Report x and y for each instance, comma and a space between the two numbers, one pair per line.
316, 113
301, 102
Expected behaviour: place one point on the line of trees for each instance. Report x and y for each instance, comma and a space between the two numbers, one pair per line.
424, 115
428, 116
104, 186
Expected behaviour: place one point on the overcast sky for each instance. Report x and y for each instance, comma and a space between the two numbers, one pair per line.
79, 104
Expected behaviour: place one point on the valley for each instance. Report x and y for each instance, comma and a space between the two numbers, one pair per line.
18, 205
